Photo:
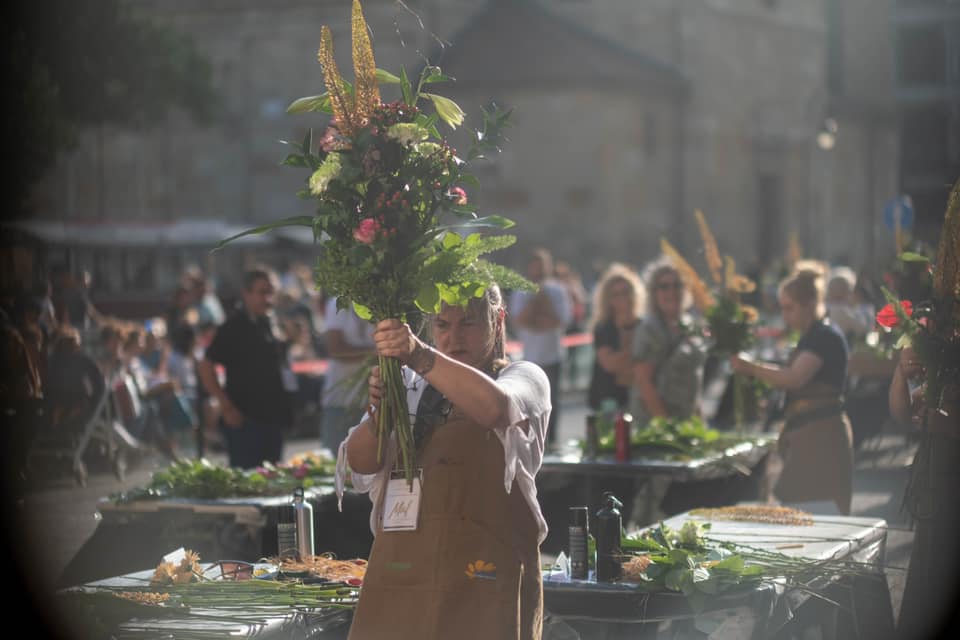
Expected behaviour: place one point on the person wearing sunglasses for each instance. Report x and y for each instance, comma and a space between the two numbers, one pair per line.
458, 554
668, 359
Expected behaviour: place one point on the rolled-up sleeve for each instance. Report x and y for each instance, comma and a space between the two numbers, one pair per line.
524, 434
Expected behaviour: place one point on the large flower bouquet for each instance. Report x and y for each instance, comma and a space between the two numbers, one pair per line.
932, 327
393, 221
729, 323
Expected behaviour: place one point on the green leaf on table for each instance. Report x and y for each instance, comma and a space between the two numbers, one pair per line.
733, 564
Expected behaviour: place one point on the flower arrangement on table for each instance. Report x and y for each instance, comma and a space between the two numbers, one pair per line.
395, 227
201, 479
689, 561
671, 439
932, 327
729, 323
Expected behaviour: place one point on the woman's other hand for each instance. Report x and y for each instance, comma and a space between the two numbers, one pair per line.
375, 389
910, 365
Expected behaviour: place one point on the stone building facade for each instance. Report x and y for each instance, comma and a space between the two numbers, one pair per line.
628, 115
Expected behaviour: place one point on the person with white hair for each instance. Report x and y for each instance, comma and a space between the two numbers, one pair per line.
853, 319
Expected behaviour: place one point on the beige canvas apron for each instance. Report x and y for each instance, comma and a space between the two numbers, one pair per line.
472, 568
816, 445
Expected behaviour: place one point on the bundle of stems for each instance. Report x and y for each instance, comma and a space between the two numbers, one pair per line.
255, 599
394, 414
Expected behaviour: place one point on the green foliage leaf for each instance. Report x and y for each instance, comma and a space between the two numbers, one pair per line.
311, 104
910, 256
385, 77
362, 311
448, 110
428, 299
294, 221
406, 89
451, 240
490, 222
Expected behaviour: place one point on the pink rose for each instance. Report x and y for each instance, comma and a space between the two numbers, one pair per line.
458, 195
367, 231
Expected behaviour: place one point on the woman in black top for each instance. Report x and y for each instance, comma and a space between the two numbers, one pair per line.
816, 442
619, 302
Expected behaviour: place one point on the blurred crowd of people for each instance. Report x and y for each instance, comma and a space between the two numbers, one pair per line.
63, 356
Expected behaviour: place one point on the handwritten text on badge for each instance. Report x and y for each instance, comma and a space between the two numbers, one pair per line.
401, 507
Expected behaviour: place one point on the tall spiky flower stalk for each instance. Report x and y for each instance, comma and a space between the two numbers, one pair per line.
710, 250
702, 298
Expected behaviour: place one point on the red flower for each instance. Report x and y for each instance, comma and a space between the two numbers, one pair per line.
887, 317
458, 195
301, 472
367, 231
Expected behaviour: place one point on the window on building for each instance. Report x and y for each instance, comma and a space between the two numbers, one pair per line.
924, 140
769, 215
921, 55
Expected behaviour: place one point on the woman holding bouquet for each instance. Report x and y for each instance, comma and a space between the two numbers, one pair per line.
668, 359
460, 556
816, 442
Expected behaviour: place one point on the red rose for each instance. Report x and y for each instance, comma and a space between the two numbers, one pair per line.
887, 317
367, 231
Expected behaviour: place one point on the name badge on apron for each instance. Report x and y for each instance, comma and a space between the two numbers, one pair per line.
401, 508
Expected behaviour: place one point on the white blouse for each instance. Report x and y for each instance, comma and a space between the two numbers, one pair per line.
529, 390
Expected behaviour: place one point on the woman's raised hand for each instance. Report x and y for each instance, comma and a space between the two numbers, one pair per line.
394, 338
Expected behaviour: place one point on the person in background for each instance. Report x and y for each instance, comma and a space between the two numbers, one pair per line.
75, 383
255, 404
28, 312
668, 359
154, 352
203, 299
930, 496
619, 303
816, 443
181, 369
540, 319
853, 319
21, 398
479, 427
579, 307
349, 343
181, 312
109, 350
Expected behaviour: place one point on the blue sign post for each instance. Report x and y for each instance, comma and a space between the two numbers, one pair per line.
899, 210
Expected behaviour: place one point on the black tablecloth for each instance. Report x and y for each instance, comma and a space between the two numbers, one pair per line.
649, 488
138, 534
